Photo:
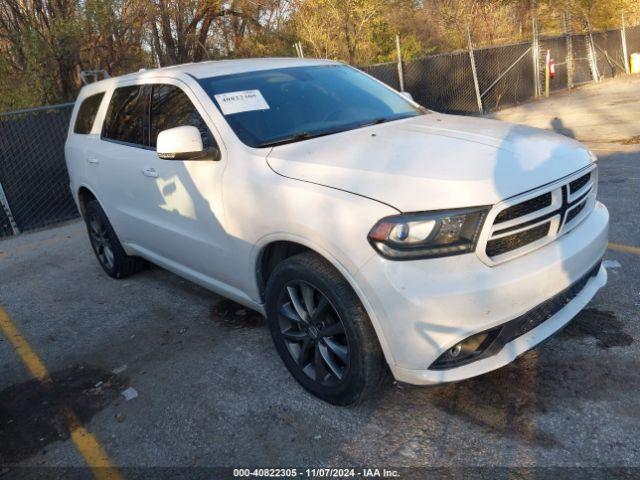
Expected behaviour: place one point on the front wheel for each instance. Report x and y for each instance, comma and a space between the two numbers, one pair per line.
321, 330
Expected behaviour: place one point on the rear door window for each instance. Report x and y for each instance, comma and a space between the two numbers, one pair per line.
125, 119
170, 108
87, 114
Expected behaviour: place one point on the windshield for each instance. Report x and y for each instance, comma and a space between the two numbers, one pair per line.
273, 107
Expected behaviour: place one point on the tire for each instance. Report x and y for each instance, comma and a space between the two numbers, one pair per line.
329, 346
108, 249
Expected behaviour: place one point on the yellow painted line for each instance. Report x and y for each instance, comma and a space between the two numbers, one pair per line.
23, 349
88, 446
618, 247
84, 441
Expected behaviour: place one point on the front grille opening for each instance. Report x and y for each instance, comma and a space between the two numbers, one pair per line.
529, 218
517, 240
577, 184
575, 212
524, 208
543, 312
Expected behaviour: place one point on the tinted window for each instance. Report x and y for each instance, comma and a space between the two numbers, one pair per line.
170, 108
290, 104
125, 117
87, 113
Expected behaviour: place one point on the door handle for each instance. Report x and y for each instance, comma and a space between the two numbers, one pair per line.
150, 172
93, 161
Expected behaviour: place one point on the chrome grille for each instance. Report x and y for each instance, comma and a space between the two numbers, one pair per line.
524, 208
576, 185
529, 221
511, 242
575, 212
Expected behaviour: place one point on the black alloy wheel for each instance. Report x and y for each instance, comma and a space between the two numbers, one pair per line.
313, 333
100, 241
321, 330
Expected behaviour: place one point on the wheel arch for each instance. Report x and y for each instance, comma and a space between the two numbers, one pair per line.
84, 196
276, 250
273, 253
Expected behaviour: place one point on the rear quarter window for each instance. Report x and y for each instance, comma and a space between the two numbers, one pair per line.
87, 114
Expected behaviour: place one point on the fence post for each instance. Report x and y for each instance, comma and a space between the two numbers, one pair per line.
623, 37
400, 69
7, 211
569, 56
593, 62
473, 70
535, 49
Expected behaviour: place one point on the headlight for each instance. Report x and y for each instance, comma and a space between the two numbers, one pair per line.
428, 234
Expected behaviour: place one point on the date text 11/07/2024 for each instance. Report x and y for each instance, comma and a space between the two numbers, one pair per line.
315, 473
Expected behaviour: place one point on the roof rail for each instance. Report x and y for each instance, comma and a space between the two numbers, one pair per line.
90, 76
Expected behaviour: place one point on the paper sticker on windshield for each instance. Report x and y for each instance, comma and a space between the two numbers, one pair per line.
246, 101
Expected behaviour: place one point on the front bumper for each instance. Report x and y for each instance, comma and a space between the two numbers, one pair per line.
423, 308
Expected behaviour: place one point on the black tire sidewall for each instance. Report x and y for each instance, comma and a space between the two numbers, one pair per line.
94, 208
346, 305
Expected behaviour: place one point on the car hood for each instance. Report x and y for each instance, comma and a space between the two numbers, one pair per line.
433, 161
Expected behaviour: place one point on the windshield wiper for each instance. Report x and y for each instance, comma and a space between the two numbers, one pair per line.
375, 121
300, 136
293, 138
307, 135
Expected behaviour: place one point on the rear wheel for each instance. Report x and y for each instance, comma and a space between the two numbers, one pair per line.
321, 330
108, 249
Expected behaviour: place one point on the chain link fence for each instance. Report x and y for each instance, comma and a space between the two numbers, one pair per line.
505, 75
608, 53
511, 74
34, 184
442, 82
633, 39
385, 72
581, 69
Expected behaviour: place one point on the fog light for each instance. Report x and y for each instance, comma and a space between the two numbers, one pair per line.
455, 351
468, 350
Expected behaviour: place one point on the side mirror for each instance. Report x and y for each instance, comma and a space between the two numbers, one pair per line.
407, 95
184, 143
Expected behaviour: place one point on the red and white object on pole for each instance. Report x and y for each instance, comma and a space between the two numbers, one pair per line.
547, 73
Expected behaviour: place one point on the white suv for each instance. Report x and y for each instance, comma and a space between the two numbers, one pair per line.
369, 230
